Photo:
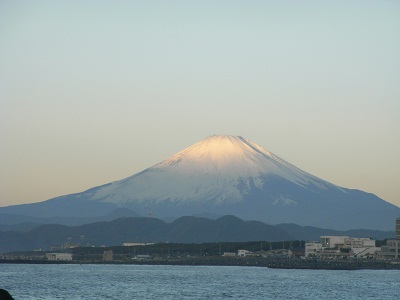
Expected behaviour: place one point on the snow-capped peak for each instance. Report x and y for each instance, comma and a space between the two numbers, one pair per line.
233, 156
210, 170
219, 149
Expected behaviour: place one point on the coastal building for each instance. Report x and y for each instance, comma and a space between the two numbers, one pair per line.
312, 248
359, 242
392, 248
341, 247
331, 241
59, 256
244, 253
365, 252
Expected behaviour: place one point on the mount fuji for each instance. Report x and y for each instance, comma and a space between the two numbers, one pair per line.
223, 175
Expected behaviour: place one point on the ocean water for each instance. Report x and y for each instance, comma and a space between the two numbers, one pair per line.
193, 282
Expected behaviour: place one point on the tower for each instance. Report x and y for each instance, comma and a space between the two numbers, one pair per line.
398, 228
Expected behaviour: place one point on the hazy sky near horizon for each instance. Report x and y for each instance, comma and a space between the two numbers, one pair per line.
95, 91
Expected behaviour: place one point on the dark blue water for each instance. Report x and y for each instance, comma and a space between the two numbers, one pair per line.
188, 282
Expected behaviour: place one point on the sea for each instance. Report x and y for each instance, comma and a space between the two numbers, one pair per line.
107, 281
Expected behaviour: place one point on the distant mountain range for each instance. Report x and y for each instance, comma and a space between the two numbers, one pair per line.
222, 175
13, 221
151, 230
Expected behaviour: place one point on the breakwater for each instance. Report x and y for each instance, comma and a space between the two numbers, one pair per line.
315, 264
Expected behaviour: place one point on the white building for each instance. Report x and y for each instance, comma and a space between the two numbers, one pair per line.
365, 252
59, 256
391, 250
361, 247
312, 248
341, 246
359, 242
332, 241
243, 253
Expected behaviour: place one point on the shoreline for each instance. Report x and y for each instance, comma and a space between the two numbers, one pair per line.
290, 264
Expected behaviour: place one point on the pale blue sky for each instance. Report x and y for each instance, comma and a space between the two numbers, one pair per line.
95, 91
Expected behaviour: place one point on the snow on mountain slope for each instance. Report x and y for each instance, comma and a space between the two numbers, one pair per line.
218, 169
